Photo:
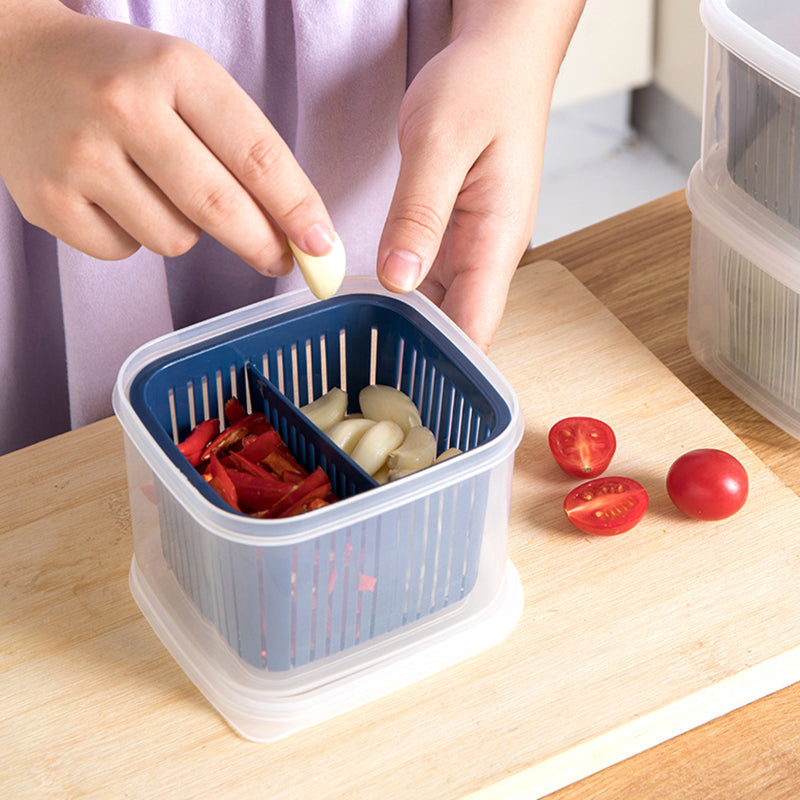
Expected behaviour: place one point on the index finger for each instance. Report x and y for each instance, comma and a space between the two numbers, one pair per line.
234, 128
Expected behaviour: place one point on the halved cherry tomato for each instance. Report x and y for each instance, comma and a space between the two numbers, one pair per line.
606, 506
707, 484
582, 446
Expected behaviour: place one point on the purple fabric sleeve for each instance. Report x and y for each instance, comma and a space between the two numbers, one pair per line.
330, 76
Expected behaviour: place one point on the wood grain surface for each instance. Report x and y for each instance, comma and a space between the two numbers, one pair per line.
637, 264
642, 634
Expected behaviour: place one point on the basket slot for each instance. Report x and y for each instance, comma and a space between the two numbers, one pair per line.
369, 569
276, 591
305, 595
321, 589
307, 368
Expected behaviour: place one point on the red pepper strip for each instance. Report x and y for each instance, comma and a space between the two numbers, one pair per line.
252, 423
281, 461
234, 410
293, 476
257, 423
220, 481
300, 492
256, 494
314, 487
194, 444
234, 460
259, 448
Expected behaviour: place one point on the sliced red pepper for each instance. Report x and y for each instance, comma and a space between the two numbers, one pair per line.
236, 461
293, 476
251, 467
252, 423
315, 486
193, 445
258, 448
280, 460
220, 481
255, 493
234, 410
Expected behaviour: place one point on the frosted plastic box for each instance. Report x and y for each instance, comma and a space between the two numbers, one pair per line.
284, 623
744, 295
752, 98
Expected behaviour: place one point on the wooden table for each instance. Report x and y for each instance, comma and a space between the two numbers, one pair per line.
753, 752
74, 618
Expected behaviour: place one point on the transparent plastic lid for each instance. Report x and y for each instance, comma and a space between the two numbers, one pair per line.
764, 33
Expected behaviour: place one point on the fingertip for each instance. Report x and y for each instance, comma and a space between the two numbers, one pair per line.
273, 266
401, 271
281, 267
319, 240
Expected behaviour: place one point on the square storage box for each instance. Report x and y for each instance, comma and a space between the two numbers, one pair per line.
283, 623
744, 295
752, 98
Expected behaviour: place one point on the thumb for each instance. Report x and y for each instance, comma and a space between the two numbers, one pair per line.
428, 184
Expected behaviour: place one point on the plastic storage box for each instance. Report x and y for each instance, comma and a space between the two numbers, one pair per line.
752, 98
274, 620
744, 295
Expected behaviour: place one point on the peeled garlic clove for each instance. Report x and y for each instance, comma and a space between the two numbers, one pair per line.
417, 451
347, 432
381, 402
328, 409
323, 274
373, 448
396, 474
449, 453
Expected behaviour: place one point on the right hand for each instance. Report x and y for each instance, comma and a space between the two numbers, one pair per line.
113, 136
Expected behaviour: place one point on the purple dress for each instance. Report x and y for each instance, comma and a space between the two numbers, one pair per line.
330, 76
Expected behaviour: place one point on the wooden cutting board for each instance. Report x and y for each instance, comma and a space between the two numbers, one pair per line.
636, 638
623, 642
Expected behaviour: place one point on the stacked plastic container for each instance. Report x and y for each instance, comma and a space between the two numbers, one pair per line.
744, 194
283, 623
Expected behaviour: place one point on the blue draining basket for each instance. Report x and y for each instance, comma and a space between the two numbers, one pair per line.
285, 593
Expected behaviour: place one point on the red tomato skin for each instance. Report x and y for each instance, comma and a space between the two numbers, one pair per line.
582, 446
708, 484
606, 506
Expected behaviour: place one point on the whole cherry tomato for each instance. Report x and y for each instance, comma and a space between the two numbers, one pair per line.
582, 446
708, 484
606, 506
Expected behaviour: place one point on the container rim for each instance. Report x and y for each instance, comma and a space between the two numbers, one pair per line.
751, 44
742, 222
277, 532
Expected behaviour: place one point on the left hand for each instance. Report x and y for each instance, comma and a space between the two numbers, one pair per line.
471, 133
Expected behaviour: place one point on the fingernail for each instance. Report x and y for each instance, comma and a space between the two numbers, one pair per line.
402, 270
318, 240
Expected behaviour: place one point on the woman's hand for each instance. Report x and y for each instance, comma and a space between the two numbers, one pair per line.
472, 130
112, 137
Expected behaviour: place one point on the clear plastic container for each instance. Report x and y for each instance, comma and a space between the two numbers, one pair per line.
744, 295
276, 621
752, 98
